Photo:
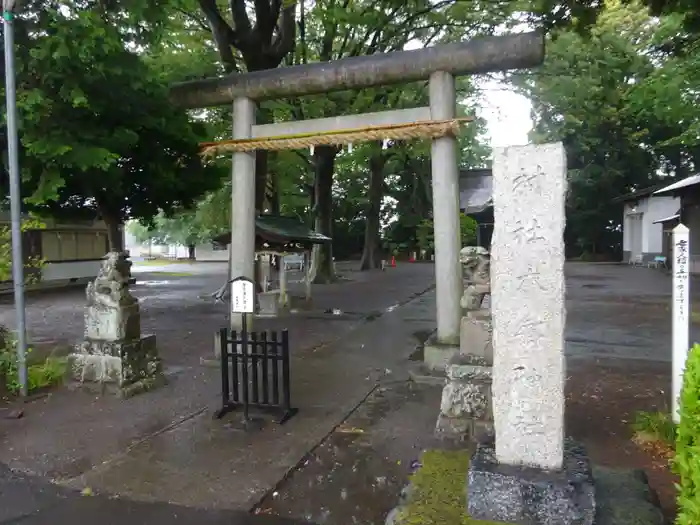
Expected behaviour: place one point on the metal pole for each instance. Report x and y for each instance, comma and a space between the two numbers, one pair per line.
15, 198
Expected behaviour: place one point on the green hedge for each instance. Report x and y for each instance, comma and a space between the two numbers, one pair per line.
688, 443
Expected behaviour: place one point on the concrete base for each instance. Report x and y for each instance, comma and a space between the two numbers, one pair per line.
437, 356
530, 496
623, 497
123, 368
269, 304
420, 374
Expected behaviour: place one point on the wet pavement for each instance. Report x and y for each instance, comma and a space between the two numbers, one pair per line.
620, 312
27, 500
357, 473
166, 447
618, 336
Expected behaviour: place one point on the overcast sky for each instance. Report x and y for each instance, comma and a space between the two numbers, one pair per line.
507, 114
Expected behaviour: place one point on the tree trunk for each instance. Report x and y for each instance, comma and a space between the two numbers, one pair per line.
376, 192
260, 180
114, 233
324, 160
191, 254
274, 193
262, 116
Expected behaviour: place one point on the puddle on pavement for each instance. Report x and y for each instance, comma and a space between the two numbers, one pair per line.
372, 316
422, 336
153, 283
417, 355
356, 475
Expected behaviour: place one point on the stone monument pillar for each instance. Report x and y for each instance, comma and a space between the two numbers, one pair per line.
465, 409
531, 475
114, 355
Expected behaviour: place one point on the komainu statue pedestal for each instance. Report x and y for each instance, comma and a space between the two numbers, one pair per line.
114, 356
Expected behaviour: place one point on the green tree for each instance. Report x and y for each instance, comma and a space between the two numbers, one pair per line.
255, 38
425, 238
616, 139
142, 234
99, 137
32, 266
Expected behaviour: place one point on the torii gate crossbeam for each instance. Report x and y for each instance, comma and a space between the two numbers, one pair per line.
439, 64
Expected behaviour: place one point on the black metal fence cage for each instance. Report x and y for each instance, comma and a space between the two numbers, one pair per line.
255, 373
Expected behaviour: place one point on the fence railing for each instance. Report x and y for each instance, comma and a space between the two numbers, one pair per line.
255, 373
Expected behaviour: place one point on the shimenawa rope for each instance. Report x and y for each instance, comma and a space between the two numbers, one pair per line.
414, 130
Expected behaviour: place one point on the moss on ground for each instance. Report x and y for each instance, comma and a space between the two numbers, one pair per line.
438, 491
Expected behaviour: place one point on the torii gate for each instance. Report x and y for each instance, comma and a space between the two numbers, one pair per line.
438, 64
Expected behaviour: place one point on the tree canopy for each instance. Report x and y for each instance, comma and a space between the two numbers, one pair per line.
98, 135
100, 139
625, 106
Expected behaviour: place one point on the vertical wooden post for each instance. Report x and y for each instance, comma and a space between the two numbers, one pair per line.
681, 311
283, 282
307, 274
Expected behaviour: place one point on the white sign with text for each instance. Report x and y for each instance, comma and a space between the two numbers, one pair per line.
242, 297
681, 311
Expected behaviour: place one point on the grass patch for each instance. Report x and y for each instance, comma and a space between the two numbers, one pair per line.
694, 316
49, 373
655, 426
438, 496
41, 373
655, 433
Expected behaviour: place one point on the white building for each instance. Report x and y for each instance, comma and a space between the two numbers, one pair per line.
688, 191
643, 233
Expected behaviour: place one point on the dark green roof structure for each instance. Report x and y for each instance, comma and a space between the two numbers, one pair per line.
276, 232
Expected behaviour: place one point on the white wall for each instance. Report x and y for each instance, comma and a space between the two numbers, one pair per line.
651, 209
206, 252
65, 271
631, 209
203, 252
657, 208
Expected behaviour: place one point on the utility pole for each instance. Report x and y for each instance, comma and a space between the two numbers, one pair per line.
9, 7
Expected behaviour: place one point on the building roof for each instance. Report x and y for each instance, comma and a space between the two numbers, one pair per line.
280, 229
475, 190
668, 219
639, 194
685, 183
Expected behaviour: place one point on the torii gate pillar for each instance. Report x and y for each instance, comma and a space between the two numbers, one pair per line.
445, 176
242, 247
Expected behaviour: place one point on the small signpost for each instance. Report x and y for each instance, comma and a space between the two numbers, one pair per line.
681, 312
259, 362
242, 302
242, 297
